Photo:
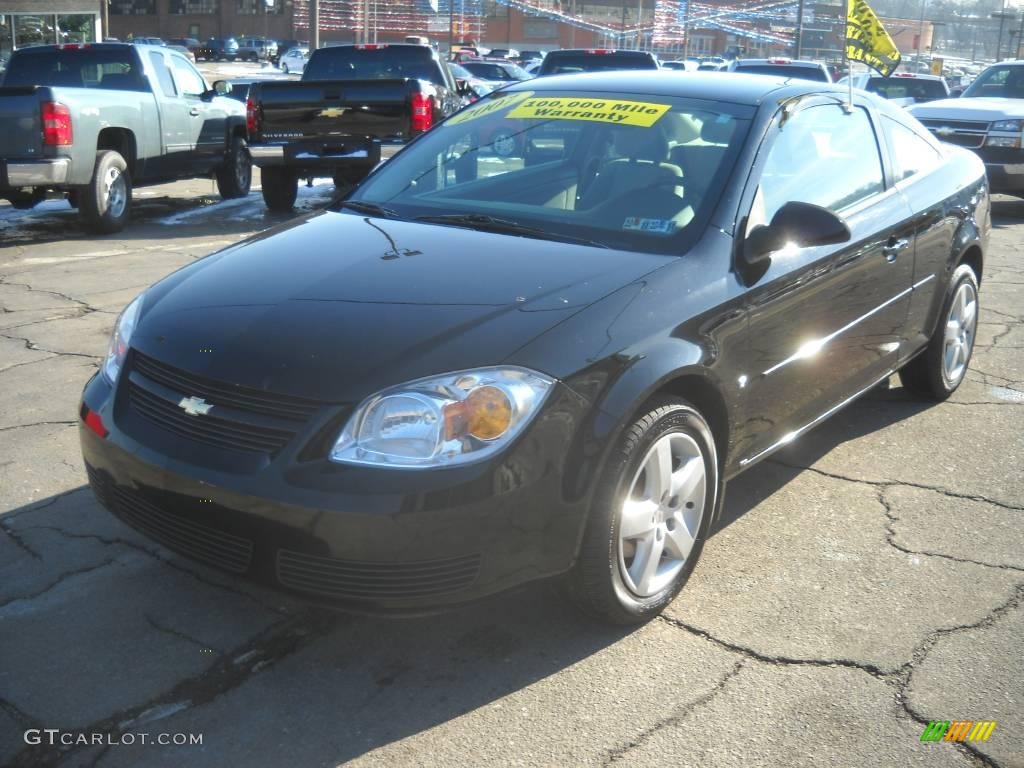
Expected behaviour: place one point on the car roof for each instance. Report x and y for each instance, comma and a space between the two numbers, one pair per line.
733, 87
779, 62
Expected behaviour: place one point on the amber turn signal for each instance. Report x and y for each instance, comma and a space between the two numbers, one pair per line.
486, 414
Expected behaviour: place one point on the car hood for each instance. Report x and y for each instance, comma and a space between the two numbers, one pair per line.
979, 109
336, 306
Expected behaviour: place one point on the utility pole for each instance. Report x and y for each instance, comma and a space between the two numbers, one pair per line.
105, 19
451, 25
314, 24
920, 35
799, 53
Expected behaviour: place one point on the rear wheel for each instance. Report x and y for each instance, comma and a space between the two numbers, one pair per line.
280, 188
938, 371
284, 68
650, 517
105, 202
234, 177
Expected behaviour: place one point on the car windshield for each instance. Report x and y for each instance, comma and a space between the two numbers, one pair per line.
1000, 81
785, 70
489, 71
385, 62
595, 62
914, 88
638, 173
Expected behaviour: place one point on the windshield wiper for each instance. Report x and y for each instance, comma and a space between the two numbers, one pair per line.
485, 223
373, 209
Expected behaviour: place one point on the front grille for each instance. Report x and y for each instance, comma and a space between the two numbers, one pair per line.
956, 125
350, 579
212, 430
195, 540
968, 140
223, 394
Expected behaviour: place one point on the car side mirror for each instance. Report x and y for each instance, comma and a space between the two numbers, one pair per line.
795, 223
222, 87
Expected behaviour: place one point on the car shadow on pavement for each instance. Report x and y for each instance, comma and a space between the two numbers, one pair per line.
1006, 211
879, 408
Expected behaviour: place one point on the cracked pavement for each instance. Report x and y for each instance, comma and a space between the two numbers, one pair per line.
864, 581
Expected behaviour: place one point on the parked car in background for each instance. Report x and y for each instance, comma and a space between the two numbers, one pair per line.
95, 121
594, 60
475, 372
503, 53
217, 49
146, 41
681, 66
902, 88
294, 60
988, 119
779, 67
526, 57
183, 51
256, 49
351, 99
188, 42
496, 71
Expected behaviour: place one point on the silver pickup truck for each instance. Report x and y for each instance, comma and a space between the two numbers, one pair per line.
94, 121
988, 119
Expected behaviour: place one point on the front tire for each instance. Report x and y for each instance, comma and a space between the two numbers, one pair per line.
105, 202
941, 368
234, 177
280, 188
650, 515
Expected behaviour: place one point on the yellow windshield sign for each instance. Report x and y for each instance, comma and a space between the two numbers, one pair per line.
489, 107
613, 111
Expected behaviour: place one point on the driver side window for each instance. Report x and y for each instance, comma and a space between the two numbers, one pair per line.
821, 155
187, 79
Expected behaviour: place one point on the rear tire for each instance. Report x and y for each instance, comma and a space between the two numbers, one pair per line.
938, 371
105, 202
234, 177
647, 525
280, 188
284, 68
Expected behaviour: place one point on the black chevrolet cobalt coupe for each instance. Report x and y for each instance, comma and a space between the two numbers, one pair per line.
486, 367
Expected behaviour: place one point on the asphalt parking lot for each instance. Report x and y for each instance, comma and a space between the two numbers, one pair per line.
864, 581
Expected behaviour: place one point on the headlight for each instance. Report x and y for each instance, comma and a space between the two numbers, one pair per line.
1006, 125
120, 339
444, 420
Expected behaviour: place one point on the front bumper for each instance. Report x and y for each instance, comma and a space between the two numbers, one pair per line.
34, 173
313, 156
358, 538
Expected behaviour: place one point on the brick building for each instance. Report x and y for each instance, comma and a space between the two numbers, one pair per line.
201, 19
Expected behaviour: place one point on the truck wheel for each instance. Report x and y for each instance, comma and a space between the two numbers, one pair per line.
105, 202
280, 188
284, 68
234, 177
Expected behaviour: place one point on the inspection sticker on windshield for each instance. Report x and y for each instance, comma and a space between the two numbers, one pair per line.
660, 226
614, 111
488, 107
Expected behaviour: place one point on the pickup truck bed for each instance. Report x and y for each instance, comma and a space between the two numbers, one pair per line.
326, 125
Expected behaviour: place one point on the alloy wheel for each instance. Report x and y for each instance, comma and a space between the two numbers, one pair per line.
961, 325
662, 514
115, 192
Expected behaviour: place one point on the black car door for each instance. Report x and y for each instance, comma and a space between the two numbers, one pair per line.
926, 183
825, 322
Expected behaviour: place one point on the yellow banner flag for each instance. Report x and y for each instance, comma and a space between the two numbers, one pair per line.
867, 40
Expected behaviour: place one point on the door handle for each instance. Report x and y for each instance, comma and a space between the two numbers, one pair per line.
194, 112
893, 247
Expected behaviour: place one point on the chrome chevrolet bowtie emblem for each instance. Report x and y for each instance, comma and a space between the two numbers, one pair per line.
333, 111
945, 131
195, 406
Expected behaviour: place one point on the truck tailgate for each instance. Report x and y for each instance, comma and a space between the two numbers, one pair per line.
20, 123
379, 108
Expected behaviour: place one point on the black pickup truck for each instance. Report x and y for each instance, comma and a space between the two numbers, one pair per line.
351, 100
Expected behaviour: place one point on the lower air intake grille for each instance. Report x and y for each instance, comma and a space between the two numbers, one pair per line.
195, 540
348, 579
